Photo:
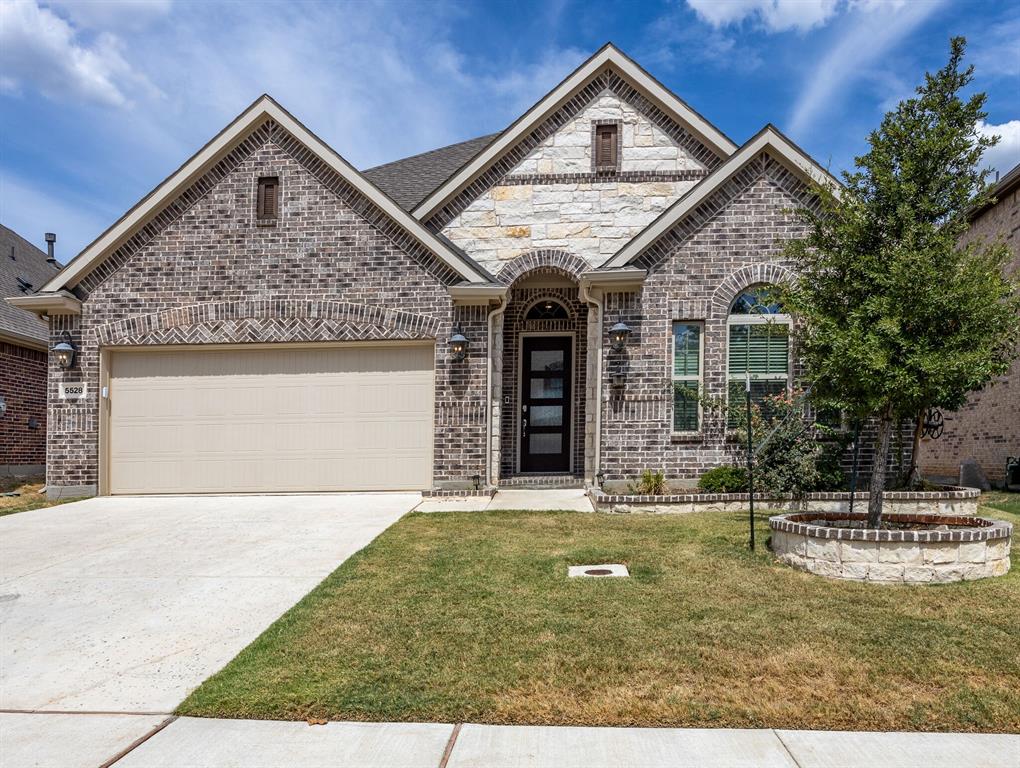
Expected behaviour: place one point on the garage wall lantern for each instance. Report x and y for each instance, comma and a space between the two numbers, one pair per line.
64, 352
618, 336
458, 346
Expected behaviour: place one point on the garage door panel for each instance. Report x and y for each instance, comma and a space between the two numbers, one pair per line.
275, 419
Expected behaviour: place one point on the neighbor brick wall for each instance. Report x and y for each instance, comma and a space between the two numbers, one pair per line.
23, 388
987, 428
331, 268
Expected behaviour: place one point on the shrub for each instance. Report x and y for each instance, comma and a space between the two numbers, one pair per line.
650, 484
793, 452
724, 480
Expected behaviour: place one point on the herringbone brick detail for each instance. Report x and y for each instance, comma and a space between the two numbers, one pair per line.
268, 320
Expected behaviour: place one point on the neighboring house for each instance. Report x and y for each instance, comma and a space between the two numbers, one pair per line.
270, 319
24, 269
987, 429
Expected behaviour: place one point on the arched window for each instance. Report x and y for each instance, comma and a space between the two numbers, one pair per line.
759, 345
547, 309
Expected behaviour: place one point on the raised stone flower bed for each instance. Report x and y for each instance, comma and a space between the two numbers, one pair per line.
910, 549
950, 500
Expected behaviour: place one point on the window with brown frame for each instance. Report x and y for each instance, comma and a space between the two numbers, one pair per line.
269, 197
605, 146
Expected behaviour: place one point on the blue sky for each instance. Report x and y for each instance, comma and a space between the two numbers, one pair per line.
99, 101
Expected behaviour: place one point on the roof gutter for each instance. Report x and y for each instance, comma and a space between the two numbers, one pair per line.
48, 304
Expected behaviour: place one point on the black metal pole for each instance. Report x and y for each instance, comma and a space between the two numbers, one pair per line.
750, 457
857, 458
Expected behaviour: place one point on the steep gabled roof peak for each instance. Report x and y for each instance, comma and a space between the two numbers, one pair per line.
606, 57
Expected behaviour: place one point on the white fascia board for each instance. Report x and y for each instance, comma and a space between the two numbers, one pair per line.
767, 139
474, 293
54, 303
264, 108
609, 55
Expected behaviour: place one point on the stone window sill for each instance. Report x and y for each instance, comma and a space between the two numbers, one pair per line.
686, 437
266, 222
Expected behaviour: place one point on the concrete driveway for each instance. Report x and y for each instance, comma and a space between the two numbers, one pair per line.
127, 604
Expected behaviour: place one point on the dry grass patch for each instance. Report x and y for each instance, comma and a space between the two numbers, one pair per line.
29, 495
470, 617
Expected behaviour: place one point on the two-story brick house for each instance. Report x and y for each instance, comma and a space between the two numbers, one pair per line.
546, 300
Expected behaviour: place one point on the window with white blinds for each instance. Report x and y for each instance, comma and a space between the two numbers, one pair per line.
759, 346
687, 368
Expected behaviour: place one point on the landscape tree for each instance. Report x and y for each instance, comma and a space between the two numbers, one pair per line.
896, 316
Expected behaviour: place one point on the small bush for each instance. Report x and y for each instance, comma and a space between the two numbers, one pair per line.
650, 484
724, 480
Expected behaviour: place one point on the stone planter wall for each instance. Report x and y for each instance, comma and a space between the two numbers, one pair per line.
977, 551
949, 501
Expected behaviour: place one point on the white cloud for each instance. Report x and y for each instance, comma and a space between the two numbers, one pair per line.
874, 29
1005, 155
773, 15
38, 49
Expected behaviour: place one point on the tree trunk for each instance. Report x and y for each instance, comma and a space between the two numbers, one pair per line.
878, 468
913, 477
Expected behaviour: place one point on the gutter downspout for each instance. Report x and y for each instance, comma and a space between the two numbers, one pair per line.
499, 310
587, 296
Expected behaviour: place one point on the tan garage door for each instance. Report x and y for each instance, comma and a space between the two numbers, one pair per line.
271, 419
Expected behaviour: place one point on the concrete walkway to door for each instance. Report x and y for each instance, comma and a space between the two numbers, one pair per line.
126, 604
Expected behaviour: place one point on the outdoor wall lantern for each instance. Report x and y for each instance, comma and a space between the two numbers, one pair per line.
618, 336
458, 346
64, 352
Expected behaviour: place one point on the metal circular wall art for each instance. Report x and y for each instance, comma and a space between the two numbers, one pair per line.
933, 424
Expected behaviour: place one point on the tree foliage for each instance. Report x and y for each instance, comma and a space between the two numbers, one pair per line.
897, 315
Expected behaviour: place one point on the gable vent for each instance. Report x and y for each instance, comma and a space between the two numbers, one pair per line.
269, 197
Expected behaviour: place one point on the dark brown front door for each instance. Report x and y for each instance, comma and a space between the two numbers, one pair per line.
545, 404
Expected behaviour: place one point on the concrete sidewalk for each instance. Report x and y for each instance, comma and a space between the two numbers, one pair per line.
132, 741
571, 499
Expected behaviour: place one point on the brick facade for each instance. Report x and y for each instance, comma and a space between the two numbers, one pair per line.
23, 425
331, 268
987, 428
334, 267
731, 242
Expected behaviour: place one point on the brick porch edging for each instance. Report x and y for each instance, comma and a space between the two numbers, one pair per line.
952, 500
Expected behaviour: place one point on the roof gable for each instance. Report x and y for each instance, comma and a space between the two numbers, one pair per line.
769, 140
263, 110
609, 62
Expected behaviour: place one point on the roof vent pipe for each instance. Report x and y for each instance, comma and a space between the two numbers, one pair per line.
51, 238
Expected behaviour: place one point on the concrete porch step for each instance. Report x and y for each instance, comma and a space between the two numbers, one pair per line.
539, 482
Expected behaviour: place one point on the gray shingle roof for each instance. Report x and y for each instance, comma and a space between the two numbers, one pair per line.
410, 180
20, 260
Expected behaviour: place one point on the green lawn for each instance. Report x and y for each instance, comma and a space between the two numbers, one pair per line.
469, 617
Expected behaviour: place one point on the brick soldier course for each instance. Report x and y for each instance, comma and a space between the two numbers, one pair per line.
685, 223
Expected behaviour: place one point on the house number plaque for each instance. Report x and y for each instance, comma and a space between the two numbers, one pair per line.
72, 391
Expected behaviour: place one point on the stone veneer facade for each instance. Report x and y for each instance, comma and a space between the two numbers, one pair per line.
987, 428
554, 198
